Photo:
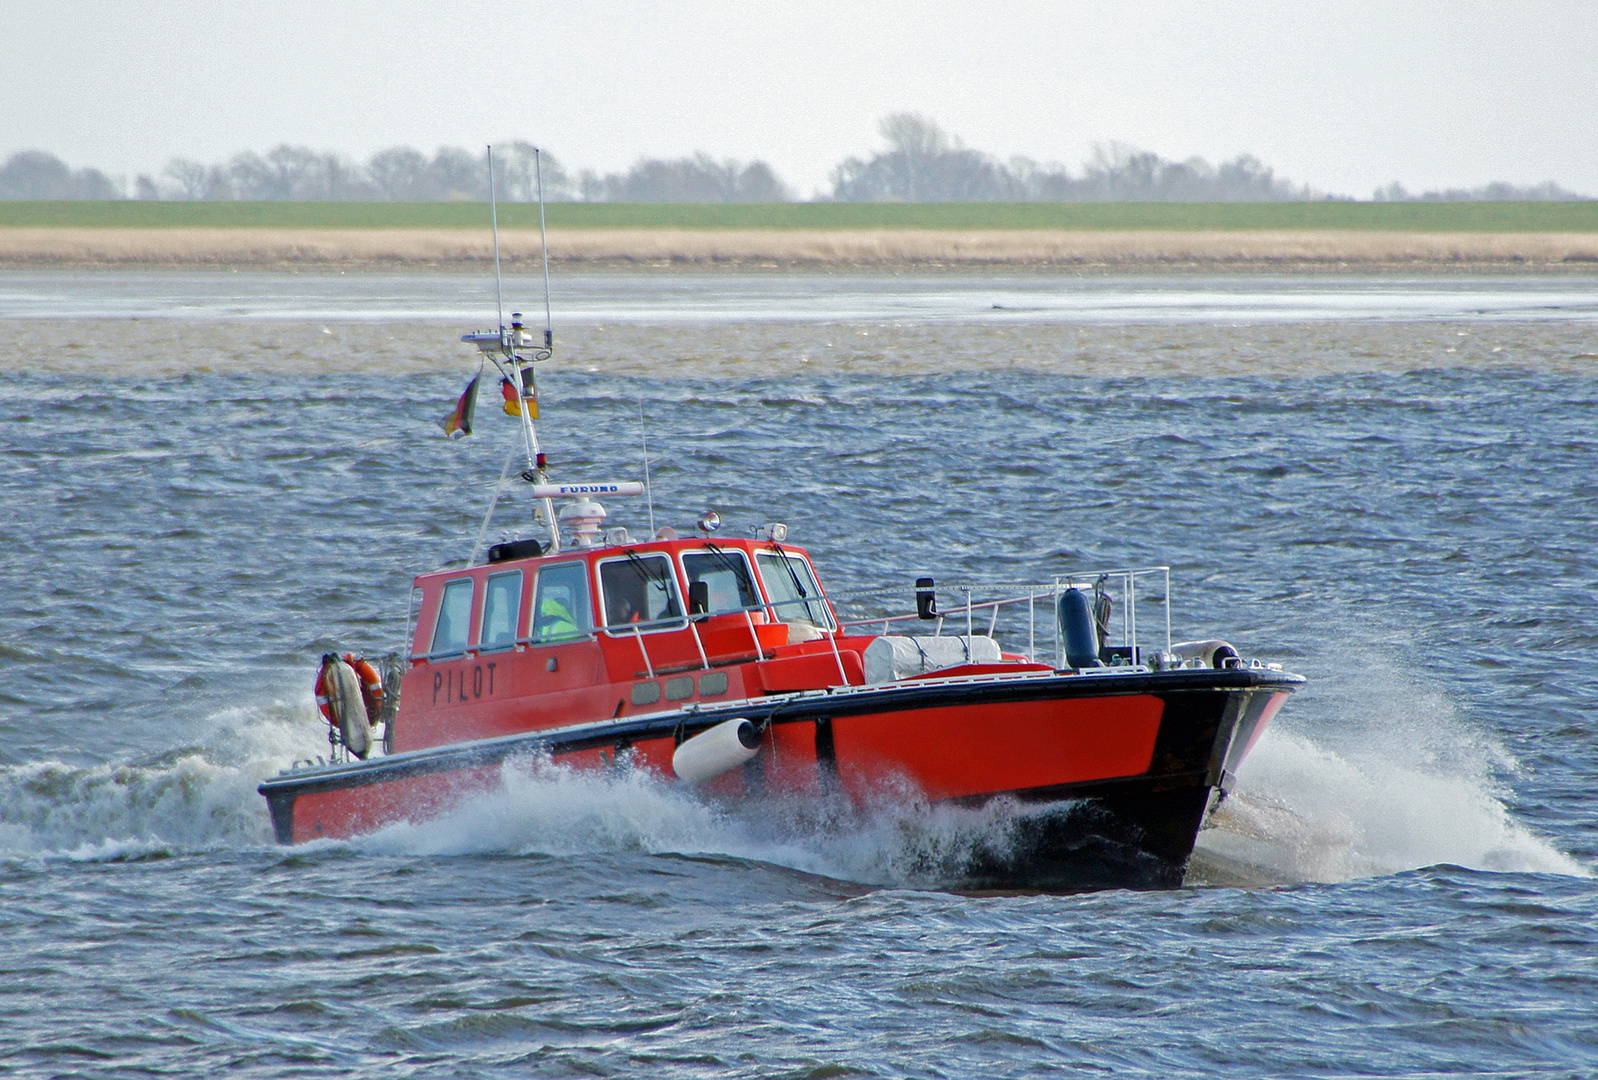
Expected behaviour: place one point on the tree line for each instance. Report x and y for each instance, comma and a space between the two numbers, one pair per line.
919, 163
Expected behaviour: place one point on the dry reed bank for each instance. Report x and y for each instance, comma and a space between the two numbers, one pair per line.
34, 246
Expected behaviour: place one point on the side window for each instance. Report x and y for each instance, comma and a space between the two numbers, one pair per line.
795, 596
560, 603
639, 590
726, 577
454, 617
502, 601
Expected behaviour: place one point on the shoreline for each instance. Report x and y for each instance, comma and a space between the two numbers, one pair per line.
891, 250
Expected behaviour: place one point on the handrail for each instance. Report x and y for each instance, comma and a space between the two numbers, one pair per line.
691, 623
638, 635
1130, 580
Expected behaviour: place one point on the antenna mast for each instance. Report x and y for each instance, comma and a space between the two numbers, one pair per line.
517, 371
493, 216
543, 245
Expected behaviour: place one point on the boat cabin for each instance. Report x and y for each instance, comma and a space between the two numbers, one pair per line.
597, 632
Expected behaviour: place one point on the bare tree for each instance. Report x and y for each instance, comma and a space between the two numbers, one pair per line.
457, 174
516, 175
700, 178
250, 177
189, 177
298, 172
922, 164
759, 183
1499, 191
219, 184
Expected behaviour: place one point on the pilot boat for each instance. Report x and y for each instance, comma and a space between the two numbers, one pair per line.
721, 662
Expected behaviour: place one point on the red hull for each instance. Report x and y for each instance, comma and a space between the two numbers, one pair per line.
1150, 747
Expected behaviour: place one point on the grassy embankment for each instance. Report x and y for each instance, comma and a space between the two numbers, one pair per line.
1070, 217
798, 234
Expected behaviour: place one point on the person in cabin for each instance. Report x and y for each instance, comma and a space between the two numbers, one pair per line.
623, 605
623, 611
555, 619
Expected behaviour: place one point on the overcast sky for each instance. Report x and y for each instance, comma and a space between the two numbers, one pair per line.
1345, 95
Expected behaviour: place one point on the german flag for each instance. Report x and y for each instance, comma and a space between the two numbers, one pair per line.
459, 422
529, 398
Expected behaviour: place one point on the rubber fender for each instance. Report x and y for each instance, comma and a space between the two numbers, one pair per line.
1215, 653
1076, 629
716, 750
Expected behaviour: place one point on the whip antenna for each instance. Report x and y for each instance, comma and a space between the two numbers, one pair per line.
493, 216
643, 437
543, 244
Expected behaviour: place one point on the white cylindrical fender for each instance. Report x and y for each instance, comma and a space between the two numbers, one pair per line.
344, 695
715, 751
1215, 654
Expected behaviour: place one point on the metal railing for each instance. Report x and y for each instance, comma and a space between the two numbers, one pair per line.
1126, 587
637, 630
1122, 584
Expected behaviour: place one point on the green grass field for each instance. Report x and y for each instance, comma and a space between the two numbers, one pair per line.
1403, 217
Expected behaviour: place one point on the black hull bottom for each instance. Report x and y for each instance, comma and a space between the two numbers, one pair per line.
1140, 841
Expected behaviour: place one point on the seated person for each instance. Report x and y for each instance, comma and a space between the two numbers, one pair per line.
555, 619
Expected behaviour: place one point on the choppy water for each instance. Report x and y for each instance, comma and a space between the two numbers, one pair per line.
1394, 495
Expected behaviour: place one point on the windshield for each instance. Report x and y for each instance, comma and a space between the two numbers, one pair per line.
639, 589
726, 577
795, 597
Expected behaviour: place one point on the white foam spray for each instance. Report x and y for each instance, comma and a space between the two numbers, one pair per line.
192, 798
551, 809
1378, 776
1384, 775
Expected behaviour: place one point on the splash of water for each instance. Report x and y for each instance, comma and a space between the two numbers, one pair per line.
1408, 788
1388, 777
549, 809
190, 798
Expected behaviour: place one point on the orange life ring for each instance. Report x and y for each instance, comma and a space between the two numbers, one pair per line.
343, 696
371, 688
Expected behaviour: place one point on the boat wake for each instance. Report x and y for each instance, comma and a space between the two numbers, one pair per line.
1395, 781
192, 798
1307, 809
548, 809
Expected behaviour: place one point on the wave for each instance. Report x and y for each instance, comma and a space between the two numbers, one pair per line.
187, 799
1387, 777
549, 809
1380, 798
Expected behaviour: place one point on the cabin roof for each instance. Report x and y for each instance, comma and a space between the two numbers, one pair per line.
600, 552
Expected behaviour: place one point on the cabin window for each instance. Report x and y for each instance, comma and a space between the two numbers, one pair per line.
639, 590
726, 577
502, 602
454, 617
795, 596
561, 610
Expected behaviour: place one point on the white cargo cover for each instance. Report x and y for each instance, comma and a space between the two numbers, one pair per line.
894, 657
